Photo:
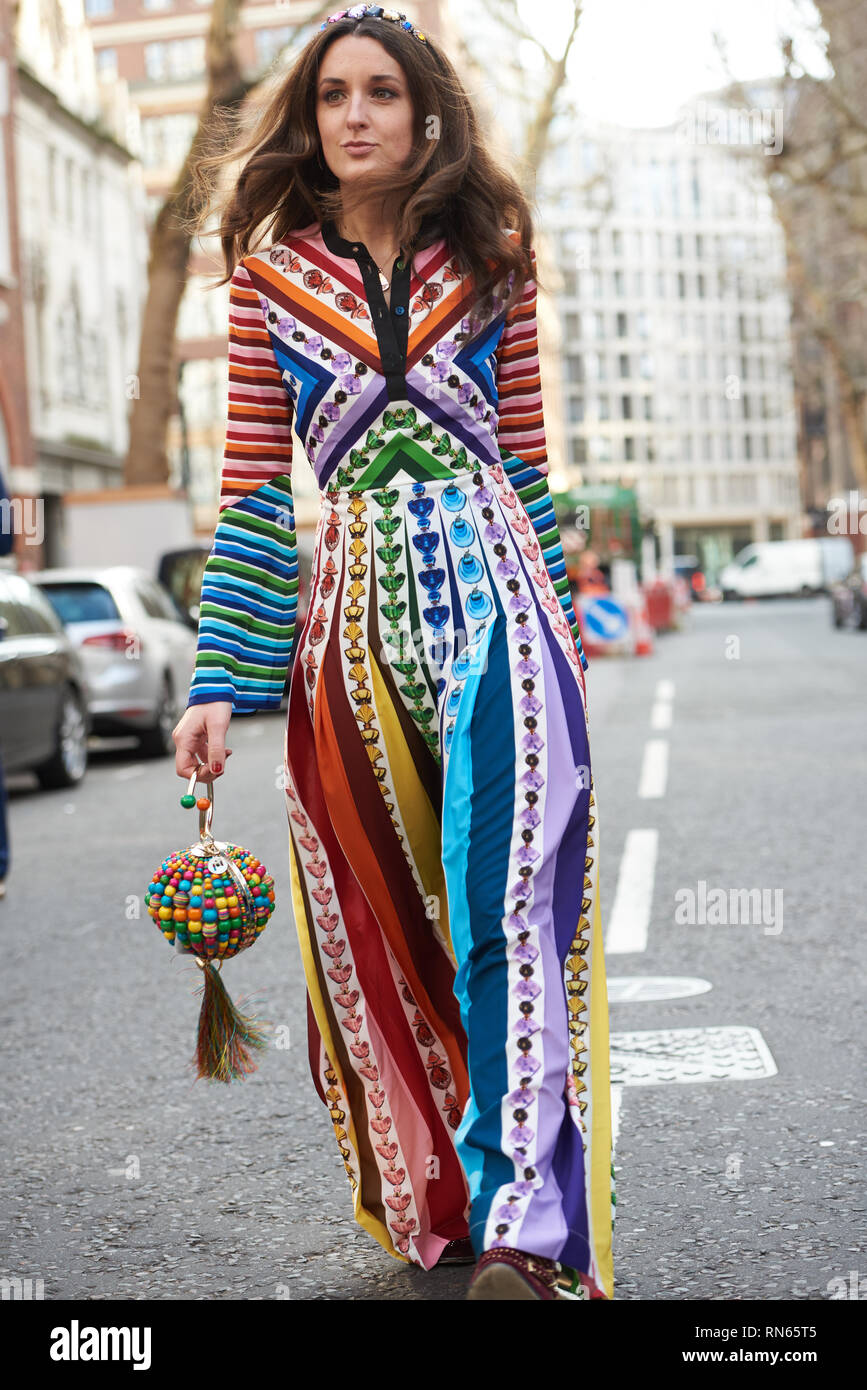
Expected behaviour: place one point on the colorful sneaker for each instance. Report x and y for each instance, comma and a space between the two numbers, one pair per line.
507, 1274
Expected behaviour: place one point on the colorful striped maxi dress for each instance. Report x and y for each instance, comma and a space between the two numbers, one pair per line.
444, 841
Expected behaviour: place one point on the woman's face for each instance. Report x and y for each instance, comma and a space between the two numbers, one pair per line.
362, 101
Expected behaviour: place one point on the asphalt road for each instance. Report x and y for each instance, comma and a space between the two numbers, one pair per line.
124, 1179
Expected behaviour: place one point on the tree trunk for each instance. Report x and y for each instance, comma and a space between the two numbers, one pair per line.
155, 400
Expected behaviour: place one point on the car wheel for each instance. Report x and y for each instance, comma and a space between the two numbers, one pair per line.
68, 763
157, 741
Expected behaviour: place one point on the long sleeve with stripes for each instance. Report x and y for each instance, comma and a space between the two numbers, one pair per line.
249, 592
521, 437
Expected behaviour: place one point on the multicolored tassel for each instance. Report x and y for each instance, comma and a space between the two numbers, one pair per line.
225, 1035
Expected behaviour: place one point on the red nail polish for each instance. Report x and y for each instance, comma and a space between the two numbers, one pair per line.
218, 767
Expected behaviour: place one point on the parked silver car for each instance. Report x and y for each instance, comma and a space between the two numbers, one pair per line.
137, 649
43, 700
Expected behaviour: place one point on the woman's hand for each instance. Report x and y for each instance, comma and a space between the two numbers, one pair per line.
200, 740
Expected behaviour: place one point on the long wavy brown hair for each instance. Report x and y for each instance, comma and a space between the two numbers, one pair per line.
450, 186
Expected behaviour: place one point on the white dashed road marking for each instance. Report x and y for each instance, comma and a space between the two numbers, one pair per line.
639, 989
630, 912
654, 769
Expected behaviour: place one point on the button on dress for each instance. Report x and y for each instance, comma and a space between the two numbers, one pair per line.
443, 828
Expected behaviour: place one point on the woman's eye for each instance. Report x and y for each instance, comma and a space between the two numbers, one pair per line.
378, 91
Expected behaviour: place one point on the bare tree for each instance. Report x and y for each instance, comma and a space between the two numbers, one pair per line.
818, 184
227, 89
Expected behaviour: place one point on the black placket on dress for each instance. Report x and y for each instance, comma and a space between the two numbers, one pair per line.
390, 321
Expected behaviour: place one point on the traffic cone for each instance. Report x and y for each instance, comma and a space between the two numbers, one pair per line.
643, 630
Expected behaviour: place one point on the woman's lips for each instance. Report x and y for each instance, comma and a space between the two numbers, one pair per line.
358, 149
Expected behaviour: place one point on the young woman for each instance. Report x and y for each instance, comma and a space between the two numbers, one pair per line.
443, 834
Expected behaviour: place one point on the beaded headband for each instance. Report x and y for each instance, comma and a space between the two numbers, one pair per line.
375, 12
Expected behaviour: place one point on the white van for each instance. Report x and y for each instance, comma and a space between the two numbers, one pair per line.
772, 568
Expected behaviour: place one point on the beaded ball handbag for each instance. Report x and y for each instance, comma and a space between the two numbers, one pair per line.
212, 900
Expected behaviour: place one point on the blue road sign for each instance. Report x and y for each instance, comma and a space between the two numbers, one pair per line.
606, 620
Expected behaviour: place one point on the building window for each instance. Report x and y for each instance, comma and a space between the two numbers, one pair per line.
576, 410
52, 179
742, 487
619, 284
621, 325
94, 9
629, 448
574, 367
85, 200
175, 59
269, 43
579, 450
165, 140
645, 365
648, 408
681, 285
603, 408
669, 490
601, 449
623, 364
106, 62
626, 407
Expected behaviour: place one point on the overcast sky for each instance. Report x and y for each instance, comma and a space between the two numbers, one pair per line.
636, 61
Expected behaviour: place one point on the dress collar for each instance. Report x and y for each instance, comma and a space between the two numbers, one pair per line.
338, 244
